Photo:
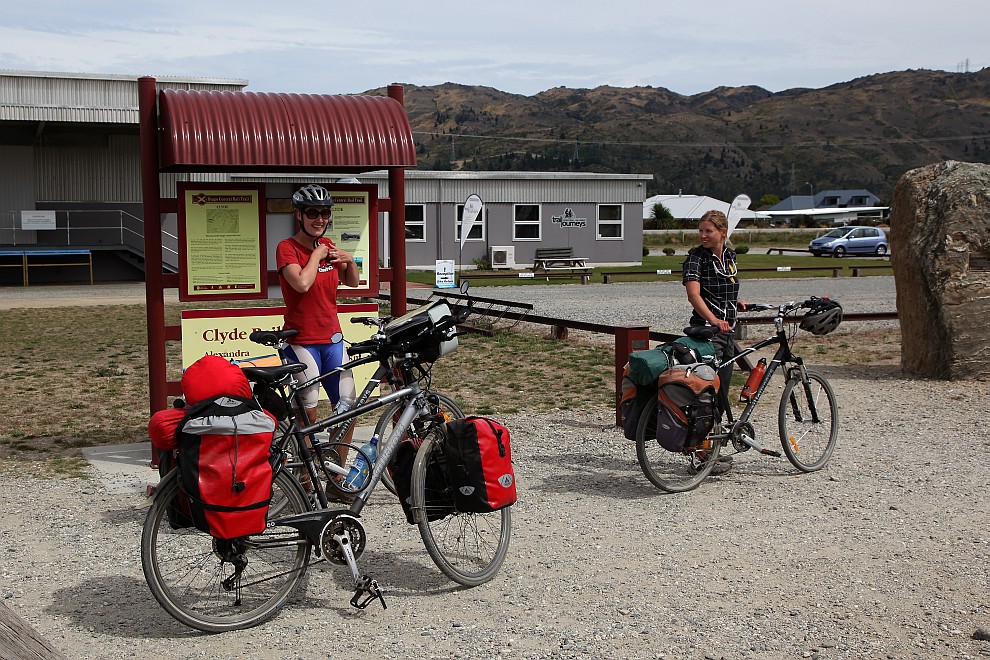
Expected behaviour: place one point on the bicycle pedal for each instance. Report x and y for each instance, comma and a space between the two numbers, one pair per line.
371, 591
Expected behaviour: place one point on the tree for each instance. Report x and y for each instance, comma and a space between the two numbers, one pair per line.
767, 200
662, 217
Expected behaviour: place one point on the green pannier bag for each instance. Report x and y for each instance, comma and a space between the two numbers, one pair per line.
645, 367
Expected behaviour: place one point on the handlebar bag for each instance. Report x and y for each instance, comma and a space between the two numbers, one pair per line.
686, 410
225, 467
418, 332
479, 463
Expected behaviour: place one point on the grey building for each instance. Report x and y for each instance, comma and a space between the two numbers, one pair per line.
597, 215
69, 145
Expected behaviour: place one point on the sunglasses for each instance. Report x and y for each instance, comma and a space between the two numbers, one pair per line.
314, 213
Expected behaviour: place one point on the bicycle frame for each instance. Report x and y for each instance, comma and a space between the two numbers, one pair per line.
781, 358
395, 374
386, 448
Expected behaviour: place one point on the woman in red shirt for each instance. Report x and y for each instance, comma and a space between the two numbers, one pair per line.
310, 268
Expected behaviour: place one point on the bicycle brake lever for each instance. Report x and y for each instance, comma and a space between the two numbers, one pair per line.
370, 587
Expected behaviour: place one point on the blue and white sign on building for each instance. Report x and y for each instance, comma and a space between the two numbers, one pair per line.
445, 274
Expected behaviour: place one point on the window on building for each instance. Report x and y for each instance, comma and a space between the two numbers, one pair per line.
416, 222
610, 221
831, 201
526, 222
477, 232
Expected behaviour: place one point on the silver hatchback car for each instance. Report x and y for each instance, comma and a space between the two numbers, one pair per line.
851, 240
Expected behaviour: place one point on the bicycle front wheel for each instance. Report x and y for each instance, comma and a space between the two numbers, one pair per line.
468, 547
445, 407
808, 421
192, 575
672, 471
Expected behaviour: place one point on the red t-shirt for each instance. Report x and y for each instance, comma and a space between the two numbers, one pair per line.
314, 313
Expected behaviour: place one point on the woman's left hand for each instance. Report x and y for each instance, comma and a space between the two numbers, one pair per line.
338, 257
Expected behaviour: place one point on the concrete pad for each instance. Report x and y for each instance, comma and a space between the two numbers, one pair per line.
127, 468
123, 468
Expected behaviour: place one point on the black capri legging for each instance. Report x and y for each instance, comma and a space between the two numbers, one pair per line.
725, 349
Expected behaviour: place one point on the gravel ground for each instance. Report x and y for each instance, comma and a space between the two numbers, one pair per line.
884, 553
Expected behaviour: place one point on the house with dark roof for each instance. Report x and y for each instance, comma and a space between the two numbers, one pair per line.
839, 207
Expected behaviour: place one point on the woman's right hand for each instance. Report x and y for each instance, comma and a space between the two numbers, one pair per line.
722, 325
320, 252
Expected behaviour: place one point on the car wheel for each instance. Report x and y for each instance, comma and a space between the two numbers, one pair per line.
839, 252
881, 250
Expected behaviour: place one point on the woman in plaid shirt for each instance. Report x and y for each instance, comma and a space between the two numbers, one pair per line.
712, 285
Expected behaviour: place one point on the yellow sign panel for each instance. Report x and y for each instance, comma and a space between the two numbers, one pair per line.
221, 234
225, 332
350, 229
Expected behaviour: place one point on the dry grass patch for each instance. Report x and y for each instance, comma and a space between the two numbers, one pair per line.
77, 376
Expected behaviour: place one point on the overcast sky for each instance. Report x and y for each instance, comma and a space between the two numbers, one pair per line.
514, 46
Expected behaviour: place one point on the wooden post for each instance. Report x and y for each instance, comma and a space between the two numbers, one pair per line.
19, 640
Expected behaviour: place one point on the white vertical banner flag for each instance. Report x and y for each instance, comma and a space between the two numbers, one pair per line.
472, 207
736, 209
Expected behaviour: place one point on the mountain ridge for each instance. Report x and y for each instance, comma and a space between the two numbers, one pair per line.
863, 133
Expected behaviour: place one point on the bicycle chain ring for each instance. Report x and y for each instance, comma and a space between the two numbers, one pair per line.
739, 429
351, 529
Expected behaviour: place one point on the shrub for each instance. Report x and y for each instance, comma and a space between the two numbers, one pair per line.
669, 251
742, 249
646, 251
482, 263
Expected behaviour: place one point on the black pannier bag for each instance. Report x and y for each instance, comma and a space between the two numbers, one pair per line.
439, 494
639, 379
632, 402
479, 463
686, 398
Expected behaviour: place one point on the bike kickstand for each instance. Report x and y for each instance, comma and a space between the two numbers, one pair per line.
369, 589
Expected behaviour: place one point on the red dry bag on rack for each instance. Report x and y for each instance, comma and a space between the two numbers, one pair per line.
479, 465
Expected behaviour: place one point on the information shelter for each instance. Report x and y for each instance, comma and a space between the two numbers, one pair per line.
224, 132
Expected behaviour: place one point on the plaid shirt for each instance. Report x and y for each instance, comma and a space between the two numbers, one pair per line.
719, 282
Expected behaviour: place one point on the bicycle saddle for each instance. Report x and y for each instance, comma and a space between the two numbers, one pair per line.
701, 331
272, 374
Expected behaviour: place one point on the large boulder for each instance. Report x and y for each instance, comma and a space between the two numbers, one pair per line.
940, 253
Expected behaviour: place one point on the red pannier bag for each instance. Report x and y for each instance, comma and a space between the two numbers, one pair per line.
479, 465
224, 439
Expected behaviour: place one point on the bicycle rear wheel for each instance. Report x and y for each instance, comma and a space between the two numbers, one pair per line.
674, 472
386, 424
186, 568
807, 443
468, 547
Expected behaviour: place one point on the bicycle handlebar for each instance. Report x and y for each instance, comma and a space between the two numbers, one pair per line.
782, 308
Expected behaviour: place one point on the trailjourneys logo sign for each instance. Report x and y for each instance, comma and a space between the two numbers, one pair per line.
568, 219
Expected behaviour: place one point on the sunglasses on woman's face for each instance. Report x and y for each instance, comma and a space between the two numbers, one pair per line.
314, 213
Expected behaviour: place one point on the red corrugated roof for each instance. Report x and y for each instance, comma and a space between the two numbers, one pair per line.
230, 131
